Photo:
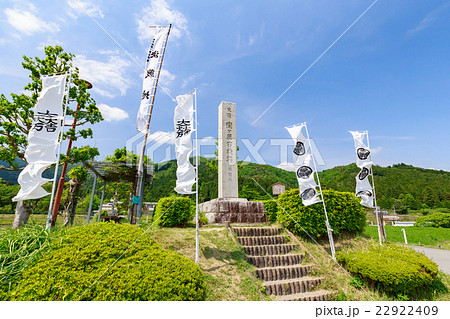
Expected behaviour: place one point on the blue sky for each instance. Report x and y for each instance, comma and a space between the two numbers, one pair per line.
389, 74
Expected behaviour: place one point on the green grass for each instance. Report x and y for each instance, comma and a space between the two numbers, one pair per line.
421, 236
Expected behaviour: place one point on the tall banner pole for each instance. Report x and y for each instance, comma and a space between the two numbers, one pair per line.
381, 233
50, 207
140, 172
329, 230
196, 180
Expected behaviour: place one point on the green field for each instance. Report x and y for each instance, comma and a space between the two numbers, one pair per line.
421, 236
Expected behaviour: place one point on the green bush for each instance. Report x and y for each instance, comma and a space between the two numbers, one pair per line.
393, 269
173, 212
434, 220
108, 261
345, 214
271, 208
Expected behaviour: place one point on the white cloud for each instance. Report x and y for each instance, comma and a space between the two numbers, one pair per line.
166, 77
85, 7
159, 13
108, 78
208, 140
287, 166
112, 114
27, 23
429, 19
161, 137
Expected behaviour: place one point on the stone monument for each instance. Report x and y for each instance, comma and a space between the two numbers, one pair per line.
228, 207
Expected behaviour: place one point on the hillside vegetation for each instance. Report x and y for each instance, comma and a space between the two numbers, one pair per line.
401, 186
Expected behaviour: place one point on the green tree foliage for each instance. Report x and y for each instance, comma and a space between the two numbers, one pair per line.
393, 269
79, 259
434, 220
345, 214
173, 212
403, 186
16, 115
271, 208
7, 192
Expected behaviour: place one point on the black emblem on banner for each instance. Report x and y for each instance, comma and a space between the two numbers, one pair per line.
363, 153
308, 194
363, 174
367, 193
299, 149
304, 172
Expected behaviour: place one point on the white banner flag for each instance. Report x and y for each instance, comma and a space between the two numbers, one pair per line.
151, 66
364, 189
183, 123
42, 138
304, 171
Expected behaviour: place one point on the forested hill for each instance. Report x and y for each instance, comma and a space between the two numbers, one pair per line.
403, 186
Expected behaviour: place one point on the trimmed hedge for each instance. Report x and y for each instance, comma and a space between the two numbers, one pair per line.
434, 220
173, 212
271, 208
108, 261
345, 214
392, 268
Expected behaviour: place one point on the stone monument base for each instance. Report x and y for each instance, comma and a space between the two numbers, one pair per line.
233, 210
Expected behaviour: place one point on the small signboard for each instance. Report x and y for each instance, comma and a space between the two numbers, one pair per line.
381, 212
391, 217
135, 200
278, 188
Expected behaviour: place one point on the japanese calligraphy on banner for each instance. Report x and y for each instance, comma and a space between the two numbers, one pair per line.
153, 57
364, 189
183, 123
304, 167
42, 138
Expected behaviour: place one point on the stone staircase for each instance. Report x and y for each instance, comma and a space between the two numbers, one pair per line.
280, 268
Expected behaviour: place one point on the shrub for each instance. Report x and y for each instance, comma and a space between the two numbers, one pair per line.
345, 214
271, 208
108, 261
173, 212
434, 220
391, 268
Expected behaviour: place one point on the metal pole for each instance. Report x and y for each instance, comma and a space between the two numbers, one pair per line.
197, 241
141, 199
379, 223
404, 235
92, 199
140, 172
329, 230
101, 203
49, 215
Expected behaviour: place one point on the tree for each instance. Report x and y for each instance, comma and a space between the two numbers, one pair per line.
16, 115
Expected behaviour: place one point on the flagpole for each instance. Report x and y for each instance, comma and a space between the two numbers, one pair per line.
140, 172
329, 230
50, 207
196, 180
379, 225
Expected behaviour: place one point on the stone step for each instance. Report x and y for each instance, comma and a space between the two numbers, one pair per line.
291, 286
256, 231
317, 295
261, 240
269, 250
275, 260
282, 273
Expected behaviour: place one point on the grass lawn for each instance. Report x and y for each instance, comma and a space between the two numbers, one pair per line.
421, 236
